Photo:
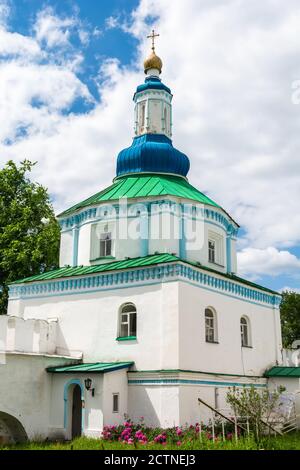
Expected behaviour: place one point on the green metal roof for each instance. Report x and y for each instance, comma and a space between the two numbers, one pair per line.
97, 367
141, 186
112, 266
277, 371
131, 263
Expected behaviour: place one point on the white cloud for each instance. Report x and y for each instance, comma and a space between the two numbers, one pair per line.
113, 22
270, 262
18, 45
230, 65
4, 12
290, 289
55, 31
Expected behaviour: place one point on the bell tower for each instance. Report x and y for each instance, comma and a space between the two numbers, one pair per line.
153, 108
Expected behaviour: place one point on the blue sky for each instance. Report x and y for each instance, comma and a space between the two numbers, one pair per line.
68, 70
112, 42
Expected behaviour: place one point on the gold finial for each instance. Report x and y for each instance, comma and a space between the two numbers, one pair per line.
153, 36
153, 61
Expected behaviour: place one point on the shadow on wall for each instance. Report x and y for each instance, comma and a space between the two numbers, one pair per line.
11, 430
140, 405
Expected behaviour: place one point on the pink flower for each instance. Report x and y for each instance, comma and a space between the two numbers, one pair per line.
178, 431
179, 443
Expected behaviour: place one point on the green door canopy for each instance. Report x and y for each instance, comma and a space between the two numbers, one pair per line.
142, 187
277, 371
96, 367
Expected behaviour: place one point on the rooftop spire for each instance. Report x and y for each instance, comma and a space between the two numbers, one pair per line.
153, 63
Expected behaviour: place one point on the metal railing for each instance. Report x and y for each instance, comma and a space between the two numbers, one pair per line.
241, 423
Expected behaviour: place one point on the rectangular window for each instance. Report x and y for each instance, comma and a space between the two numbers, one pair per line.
244, 334
211, 251
124, 333
105, 244
209, 330
115, 403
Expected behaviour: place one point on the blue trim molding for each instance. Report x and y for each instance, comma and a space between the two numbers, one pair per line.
192, 382
138, 277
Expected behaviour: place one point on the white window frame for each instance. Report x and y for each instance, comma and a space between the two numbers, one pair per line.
126, 319
245, 332
98, 232
218, 241
211, 251
117, 396
211, 334
105, 242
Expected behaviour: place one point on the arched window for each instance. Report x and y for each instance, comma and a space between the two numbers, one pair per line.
245, 332
210, 326
127, 321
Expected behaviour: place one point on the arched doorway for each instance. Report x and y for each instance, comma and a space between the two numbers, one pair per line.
74, 408
76, 412
11, 430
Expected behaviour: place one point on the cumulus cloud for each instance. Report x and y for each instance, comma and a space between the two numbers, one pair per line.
270, 262
4, 12
54, 31
231, 66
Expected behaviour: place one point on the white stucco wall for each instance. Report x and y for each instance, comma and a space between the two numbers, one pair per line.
66, 248
227, 356
25, 390
89, 323
170, 324
159, 406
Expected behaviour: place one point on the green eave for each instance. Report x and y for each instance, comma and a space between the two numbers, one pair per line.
277, 371
98, 268
145, 261
141, 186
97, 367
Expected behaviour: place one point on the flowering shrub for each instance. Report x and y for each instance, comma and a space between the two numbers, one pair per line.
137, 433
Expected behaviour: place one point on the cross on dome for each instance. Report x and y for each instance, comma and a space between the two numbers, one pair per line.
153, 36
153, 63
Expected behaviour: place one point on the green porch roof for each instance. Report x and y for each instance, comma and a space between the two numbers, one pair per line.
149, 260
96, 367
277, 371
141, 186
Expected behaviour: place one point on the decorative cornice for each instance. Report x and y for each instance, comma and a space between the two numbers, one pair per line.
196, 211
158, 378
141, 277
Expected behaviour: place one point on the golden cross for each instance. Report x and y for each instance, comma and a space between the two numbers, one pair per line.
153, 36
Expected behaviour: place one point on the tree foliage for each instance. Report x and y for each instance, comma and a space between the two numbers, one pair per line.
255, 406
290, 318
29, 232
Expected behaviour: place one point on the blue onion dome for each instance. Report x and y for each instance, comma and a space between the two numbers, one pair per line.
152, 153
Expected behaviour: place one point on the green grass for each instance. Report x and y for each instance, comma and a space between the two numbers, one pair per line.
288, 442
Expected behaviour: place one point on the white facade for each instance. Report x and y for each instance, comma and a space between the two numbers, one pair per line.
170, 345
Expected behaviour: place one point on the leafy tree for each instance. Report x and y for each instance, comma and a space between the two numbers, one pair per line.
255, 406
290, 317
29, 232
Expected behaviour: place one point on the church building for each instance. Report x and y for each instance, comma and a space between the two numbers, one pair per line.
146, 313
